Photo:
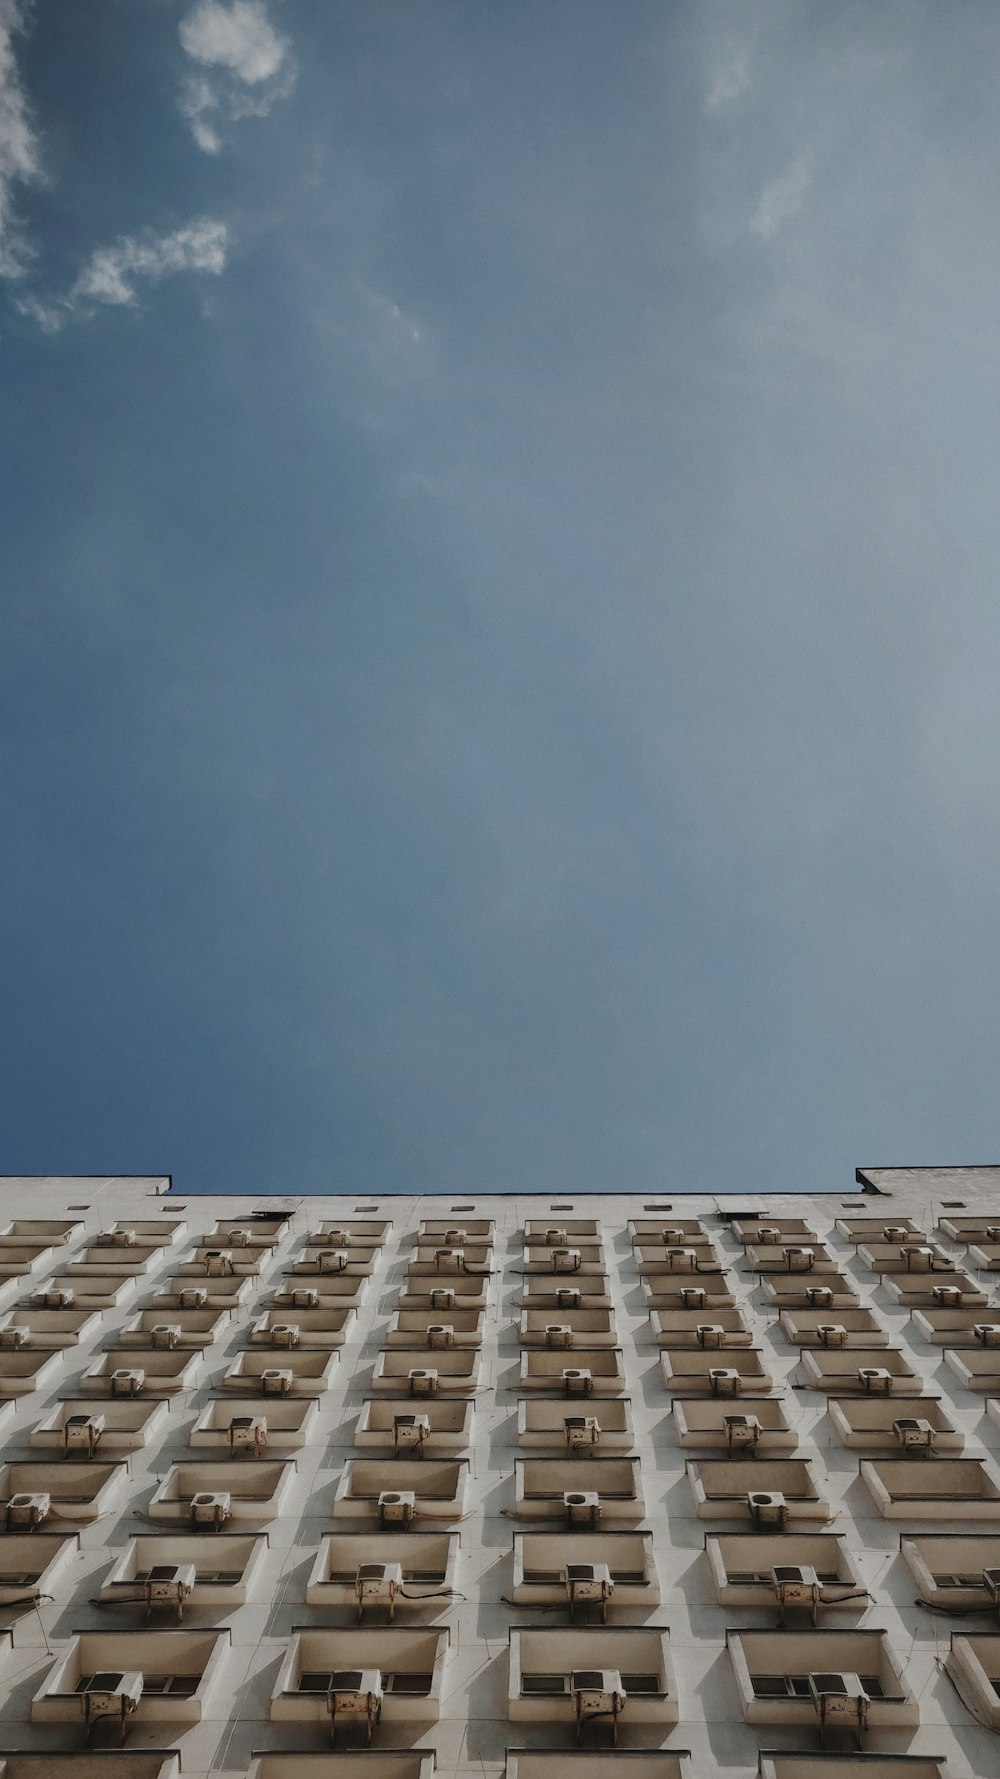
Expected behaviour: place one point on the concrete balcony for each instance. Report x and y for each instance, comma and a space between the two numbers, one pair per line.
419, 1570
40, 1232
798, 1291
668, 1292
288, 1373
917, 1255
210, 1495
743, 1569
955, 1489
685, 1260
862, 1371
773, 1671
713, 1424
183, 1328
43, 1493
305, 1328
343, 1681
26, 1369
93, 1682
883, 1231
579, 1493
461, 1260
974, 1665
771, 1232
977, 1368
567, 1677
769, 1493
110, 1426
696, 1371
821, 1328
561, 1292
350, 1232
456, 1232
606, 1426
958, 1327
950, 1569
429, 1428
122, 1371
577, 1259
422, 1373
82, 1288
41, 1329
556, 1231
873, 1424
325, 1291
695, 1328
568, 1328
217, 1571
399, 1492
431, 1297
436, 1328
32, 1564
247, 1428
582, 1372
545, 1562
915, 1290
669, 1232
796, 1260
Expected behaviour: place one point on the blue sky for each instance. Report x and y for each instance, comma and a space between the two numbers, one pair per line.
499, 578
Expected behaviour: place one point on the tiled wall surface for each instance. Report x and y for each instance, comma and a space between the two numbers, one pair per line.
396, 1486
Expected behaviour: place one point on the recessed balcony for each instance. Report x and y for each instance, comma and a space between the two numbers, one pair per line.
917, 1255
550, 1569
208, 1570
84, 1288
916, 1290
109, 1426
565, 1291
377, 1575
579, 1493
24, 1369
33, 1563
18, 1260
879, 1230
430, 1295
409, 1429
554, 1231
40, 1493
791, 1259
582, 1372
402, 1492
142, 1232
579, 1431
572, 1259
422, 1373
40, 1232
695, 1328
667, 1292
985, 1256
769, 1493
945, 1327
798, 1291
108, 1681
212, 1260
323, 1259
865, 1371
456, 1232
122, 1371
184, 1328
181, 1293
823, 1328
290, 1372
306, 1328
349, 1232
974, 1665
450, 1261
682, 1260
772, 1232
436, 1328
871, 1424
320, 1291
700, 1371
249, 1232
105, 1260
53, 1329
977, 1368
346, 1682
968, 1230
248, 1428
957, 1571
948, 1488
668, 1232
784, 1677
570, 1328
595, 1681
748, 1570
207, 1495
757, 1425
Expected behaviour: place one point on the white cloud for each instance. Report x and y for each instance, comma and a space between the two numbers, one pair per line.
20, 161
250, 66
728, 80
112, 275
780, 201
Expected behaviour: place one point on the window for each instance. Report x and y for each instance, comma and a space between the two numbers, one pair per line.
553, 1577
347, 1577
228, 1577
556, 1686
346, 1680
463, 1207
366, 1207
657, 1207
562, 1207
745, 1577
179, 1686
796, 1686
952, 1204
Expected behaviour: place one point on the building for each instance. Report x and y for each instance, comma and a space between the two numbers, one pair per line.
311, 1488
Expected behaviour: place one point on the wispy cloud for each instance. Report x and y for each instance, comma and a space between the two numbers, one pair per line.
113, 275
249, 66
780, 201
728, 79
20, 158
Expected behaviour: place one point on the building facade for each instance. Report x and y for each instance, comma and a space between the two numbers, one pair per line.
323, 1487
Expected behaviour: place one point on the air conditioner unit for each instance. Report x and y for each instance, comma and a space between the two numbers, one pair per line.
558, 1334
693, 1297
440, 1334
276, 1381
742, 1432
569, 1297
875, 1380
597, 1692
948, 1296
247, 1433
10, 1336
355, 1692
839, 1699
165, 1334
831, 1334
796, 1584
409, 1432
337, 1238
993, 1232
819, 1297
799, 1259
443, 1297
211, 1508
122, 1238
170, 1584
917, 1256
987, 1333
284, 1334
913, 1435
583, 1432
454, 1238
672, 1238
682, 1259
710, 1334
566, 1260
396, 1507
577, 1381
377, 1584
218, 1261
767, 1507
422, 1381
28, 1510
82, 1433
239, 1238
587, 1584
555, 1238
304, 1297
333, 1259
991, 1582
583, 1507
111, 1695
127, 1381
192, 1297
723, 1380
768, 1235
56, 1297
894, 1232
449, 1259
